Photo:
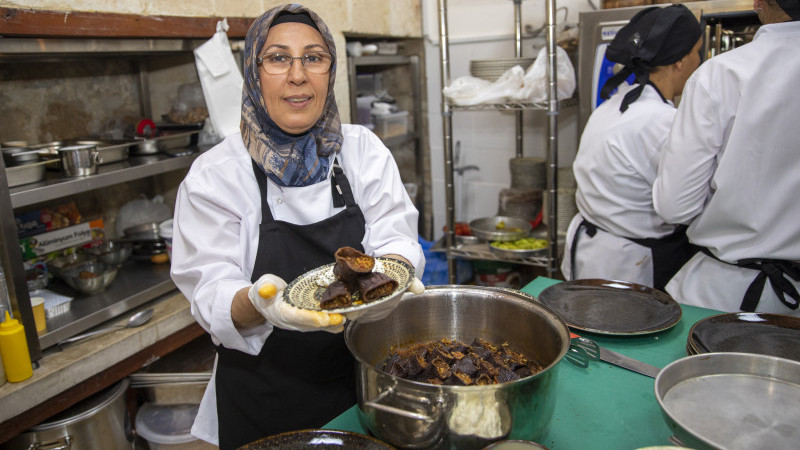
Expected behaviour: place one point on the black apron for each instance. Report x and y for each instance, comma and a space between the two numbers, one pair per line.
298, 380
773, 269
669, 253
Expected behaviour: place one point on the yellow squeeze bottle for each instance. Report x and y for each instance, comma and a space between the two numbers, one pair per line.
14, 350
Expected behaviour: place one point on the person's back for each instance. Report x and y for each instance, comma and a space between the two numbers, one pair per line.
616, 233
730, 168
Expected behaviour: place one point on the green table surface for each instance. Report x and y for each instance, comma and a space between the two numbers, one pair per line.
602, 406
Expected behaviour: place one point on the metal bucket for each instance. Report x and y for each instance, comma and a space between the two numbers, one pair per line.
99, 422
420, 415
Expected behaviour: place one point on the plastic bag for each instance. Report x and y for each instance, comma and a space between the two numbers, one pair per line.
535, 83
141, 211
221, 80
467, 90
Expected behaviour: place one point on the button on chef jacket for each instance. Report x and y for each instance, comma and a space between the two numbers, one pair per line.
217, 217
614, 169
731, 168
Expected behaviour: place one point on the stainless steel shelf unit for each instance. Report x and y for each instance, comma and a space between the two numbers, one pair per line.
551, 106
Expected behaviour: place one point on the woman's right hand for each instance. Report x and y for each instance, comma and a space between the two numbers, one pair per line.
266, 295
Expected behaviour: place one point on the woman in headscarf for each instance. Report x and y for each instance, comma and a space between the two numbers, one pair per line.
616, 234
729, 169
267, 205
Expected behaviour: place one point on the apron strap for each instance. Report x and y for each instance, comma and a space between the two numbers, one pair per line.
340, 187
773, 269
261, 178
591, 230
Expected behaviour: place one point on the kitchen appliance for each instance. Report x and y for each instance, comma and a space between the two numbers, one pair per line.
727, 24
421, 415
99, 422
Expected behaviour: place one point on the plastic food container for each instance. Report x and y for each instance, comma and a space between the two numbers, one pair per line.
392, 124
169, 426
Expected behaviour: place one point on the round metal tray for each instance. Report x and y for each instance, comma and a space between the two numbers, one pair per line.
513, 228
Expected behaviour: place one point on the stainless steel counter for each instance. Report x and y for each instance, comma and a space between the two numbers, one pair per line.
61, 371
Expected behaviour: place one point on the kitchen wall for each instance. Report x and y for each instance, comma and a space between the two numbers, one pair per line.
396, 18
481, 29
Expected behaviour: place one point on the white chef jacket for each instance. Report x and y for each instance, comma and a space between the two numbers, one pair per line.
216, 231
614, 169
731, 168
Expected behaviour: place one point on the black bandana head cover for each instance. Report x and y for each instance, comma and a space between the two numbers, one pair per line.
287, 159
654, 37
791, 7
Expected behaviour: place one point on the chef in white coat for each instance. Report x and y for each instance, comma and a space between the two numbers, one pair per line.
616, 234
730, 168
267, 205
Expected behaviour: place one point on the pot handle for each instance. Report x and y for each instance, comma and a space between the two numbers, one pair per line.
98, 158
63, 443
399, 411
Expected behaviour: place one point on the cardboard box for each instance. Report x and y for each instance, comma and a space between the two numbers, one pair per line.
60, 239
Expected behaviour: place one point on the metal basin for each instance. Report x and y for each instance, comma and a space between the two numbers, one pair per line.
420, 415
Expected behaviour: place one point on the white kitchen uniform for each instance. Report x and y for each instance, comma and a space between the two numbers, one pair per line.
731, 168
615, 168
216, 230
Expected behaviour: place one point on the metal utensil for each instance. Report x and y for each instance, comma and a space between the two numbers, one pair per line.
582, 350
136, 320
626, 362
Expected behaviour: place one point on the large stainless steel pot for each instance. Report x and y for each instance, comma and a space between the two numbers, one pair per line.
98, 423
420, 415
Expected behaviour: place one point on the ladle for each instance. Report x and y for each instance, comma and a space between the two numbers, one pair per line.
136, 320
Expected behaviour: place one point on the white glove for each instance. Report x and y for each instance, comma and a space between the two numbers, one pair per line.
286, 316
383, 309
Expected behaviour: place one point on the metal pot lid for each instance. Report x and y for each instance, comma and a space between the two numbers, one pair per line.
85, 408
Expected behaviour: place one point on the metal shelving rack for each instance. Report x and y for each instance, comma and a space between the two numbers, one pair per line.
551, 106
137, 283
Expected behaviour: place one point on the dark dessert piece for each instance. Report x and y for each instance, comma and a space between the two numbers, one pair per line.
351, 263
450, 362
336, 295
375, 285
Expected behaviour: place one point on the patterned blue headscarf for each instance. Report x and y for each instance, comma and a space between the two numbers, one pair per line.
288, 159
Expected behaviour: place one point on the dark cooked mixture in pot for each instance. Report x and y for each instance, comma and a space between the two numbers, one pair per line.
451, 362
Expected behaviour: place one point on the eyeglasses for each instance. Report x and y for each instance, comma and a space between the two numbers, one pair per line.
278, 63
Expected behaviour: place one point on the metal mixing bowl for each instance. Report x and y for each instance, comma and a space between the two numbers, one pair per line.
91, 278
112, 252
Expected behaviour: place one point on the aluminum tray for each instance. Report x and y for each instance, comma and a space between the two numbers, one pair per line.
110, 151
27, 173
731, 400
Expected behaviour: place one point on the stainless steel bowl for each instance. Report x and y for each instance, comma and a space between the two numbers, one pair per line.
420, 415
500, 228
63, 264
91, 278
142, 232
112, 253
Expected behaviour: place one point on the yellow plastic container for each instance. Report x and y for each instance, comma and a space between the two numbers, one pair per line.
14, 350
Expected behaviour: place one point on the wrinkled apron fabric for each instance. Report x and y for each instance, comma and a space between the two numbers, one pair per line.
774, 270
669, 253
298, 380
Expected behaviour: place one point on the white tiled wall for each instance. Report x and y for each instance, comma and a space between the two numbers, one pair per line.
481, 30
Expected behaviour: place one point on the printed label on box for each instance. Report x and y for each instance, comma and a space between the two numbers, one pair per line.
59, 239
